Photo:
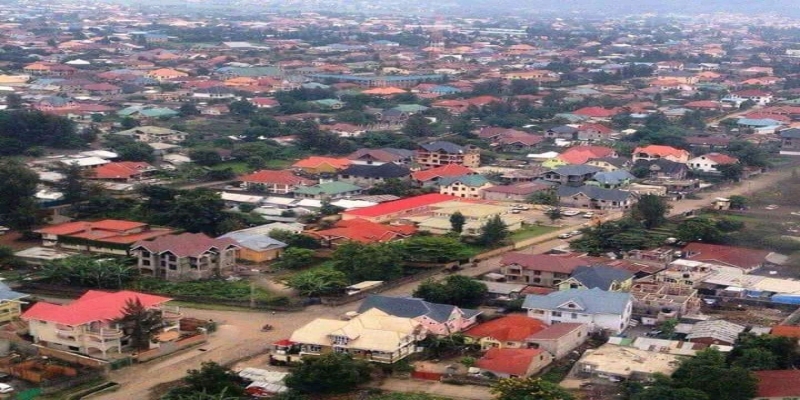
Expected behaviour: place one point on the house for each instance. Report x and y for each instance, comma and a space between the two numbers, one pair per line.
654, 152
594, 132
438, 319
108, 236
709, 162
466, 186
576, 155
439, 153
731, 256
153, 134
598, 276
327, 190
431, 177
790, 141
595, 198
393, 210
316, 165
574, 175
611, 361
187, 256
661, 169
10, 303
380, 156
271, 181
88, 325
122, 171
373, 336
559, 339
165, 74
757, 96
509, 332
362, 231
600, 310
611, 179
371, 174
515, 192
715, 332
562, 132
514, 363
777, 384
254, 245
538, 269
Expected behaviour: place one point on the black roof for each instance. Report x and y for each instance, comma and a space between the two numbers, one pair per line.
410, 307
664, 165
793, 133
388, 170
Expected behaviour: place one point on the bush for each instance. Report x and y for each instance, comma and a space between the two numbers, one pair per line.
212, 289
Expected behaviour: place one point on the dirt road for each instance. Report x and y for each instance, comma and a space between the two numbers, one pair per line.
239, 334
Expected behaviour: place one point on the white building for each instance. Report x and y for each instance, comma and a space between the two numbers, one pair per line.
600, 310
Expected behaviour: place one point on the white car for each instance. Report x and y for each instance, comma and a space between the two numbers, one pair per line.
570, 213
588, 214
565, 235
6, 388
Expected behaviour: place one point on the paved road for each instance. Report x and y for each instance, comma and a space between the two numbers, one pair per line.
239, 334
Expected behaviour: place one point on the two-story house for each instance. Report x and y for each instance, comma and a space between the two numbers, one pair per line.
89, 325
381, 156
538, 269
466, 186
509, 332
710, 162
598, 276
370, 175
611, 179
600, 310
574, 175
108, 236
187, 256
271, 181
439, 153
595, 197
373, 336
10, 303
655, 152
661, 169
438, 319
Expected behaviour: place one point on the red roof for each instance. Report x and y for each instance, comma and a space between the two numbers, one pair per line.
447, 170
80, 226
396, 206
512, 328
722, 158
791, 331
316, 162
361, 230
710, 104
596, 112
94, 305
508, 361
543, 262
778, 383
581, 154
185, 244
283, 177
595, 127
120, 170
731, 255
482, 100
660, 150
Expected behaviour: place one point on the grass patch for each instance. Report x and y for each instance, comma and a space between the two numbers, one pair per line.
65, 394
209, 306
238, 167
212, 289
557, 373
530, 231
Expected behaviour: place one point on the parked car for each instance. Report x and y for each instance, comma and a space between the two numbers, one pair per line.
566, 235
570, 213
588, 214
575, 233
6, 388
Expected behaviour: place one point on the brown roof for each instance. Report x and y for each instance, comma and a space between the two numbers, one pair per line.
543, 262
778, 383
185, 244
509, 361
515, 328
730, 255
556, 331
275, 177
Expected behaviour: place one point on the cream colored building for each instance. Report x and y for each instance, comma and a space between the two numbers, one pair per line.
476, 215
612, 361
374, 336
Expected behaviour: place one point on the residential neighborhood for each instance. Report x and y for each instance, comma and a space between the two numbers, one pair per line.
421, 201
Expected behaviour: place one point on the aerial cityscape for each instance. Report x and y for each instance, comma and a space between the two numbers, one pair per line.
351, 200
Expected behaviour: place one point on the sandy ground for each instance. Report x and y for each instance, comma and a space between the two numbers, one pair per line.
239, 336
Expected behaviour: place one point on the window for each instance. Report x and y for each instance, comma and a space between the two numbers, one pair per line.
556, 313
173, 267
145, 262
574, 316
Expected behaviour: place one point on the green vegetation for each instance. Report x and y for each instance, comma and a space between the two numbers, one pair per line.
322, 281
328, 374
458, 290
140, 324
211, 381
528, 389
212, 289
21, 130
616, 236
17, 204
529, 231
101, 272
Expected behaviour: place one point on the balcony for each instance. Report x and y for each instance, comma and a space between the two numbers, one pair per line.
104, 334
171, 314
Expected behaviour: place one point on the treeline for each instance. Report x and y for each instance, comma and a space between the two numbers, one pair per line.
20, 130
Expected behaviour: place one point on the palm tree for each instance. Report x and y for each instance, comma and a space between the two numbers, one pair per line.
140, 323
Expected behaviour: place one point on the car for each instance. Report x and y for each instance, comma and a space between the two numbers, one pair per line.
575, 233
771, 207
6, 388
654, 333
566, 235
588, 214
570, 213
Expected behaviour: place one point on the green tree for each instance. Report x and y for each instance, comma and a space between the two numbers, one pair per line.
197, 210
318, 282
14, 101
205, 157
212, 380
732, 172
326, 208
295, 239
667, 327
661, 392
140, 323
295, 258
134, 151
759, 352
242, 107
553, 213
18, 208
418, 126
748, 153
544, 197
458, 290
329, 373
129, 123
433, 248
494, 232
188, 109
368, 262
72, 185
457, 221
528, 389
698, 229
707, 372
651, 210
756, 359
738, 202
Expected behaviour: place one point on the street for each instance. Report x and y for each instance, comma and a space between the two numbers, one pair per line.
239, 335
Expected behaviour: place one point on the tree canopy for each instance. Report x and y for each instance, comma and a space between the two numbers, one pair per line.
651, 210
328, 374
368, 262
141, 324
458, 290
22, 129
212, 380
528, 389
18, 207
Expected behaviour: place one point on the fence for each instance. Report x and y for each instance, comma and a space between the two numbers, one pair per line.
169, 348
72, 358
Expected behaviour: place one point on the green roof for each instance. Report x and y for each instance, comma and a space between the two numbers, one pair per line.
410, 108
328, 188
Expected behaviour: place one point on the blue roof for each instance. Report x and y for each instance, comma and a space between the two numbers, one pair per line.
7, 294
599, 276
411, 307
613, 177
592, 301
594, 192
758, 122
